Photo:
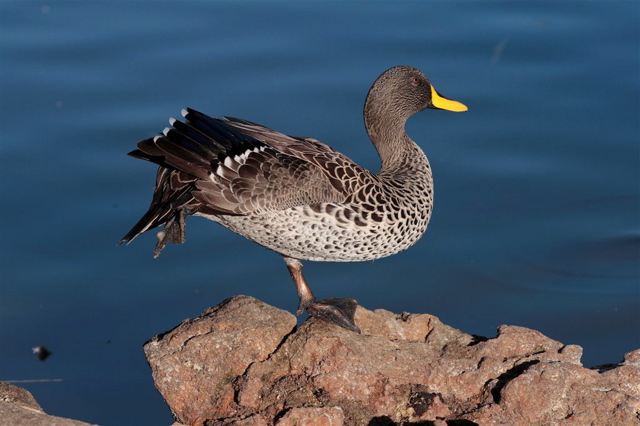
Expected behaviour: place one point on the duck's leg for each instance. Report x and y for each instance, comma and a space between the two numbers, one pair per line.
338, 311
173, 231
304, 291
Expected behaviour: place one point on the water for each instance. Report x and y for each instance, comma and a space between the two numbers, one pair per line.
537, 214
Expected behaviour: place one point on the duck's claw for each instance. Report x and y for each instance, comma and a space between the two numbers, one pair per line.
338, 311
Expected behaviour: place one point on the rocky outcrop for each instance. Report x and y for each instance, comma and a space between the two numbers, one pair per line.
19, 407
244, 362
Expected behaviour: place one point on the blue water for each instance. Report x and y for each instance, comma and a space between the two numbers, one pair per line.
537, 214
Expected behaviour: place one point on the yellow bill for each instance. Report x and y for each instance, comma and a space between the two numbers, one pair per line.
440, 102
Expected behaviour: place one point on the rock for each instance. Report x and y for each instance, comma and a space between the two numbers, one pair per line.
17, 395
312, 416
245, 363
19, 407
196, 364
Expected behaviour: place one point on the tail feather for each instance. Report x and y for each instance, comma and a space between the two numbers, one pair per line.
157, 215
172, 202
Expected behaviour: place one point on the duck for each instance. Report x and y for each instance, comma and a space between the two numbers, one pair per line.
295, 195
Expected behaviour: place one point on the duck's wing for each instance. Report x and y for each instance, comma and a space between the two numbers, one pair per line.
290, 145
237, 171
343, 173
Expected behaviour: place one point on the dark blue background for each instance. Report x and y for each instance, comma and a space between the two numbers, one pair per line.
537, 200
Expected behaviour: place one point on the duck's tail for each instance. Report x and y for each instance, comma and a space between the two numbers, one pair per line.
172, 203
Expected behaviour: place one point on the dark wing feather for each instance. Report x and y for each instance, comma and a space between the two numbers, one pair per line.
233, 167
290, 145
344, 174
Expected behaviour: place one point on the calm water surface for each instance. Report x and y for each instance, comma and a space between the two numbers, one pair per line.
537, 214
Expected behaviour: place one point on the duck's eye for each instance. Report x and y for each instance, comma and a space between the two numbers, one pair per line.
416, 80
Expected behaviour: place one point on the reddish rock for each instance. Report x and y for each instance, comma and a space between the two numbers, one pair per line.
195, 365
240, 363
330, 416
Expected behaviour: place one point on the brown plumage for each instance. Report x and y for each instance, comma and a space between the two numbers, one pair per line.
297, 196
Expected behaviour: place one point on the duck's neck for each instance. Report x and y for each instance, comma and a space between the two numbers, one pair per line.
385, 127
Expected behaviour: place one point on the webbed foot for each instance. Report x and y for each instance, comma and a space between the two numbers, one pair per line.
337, 311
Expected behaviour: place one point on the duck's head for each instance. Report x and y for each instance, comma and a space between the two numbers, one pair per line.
403, 91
